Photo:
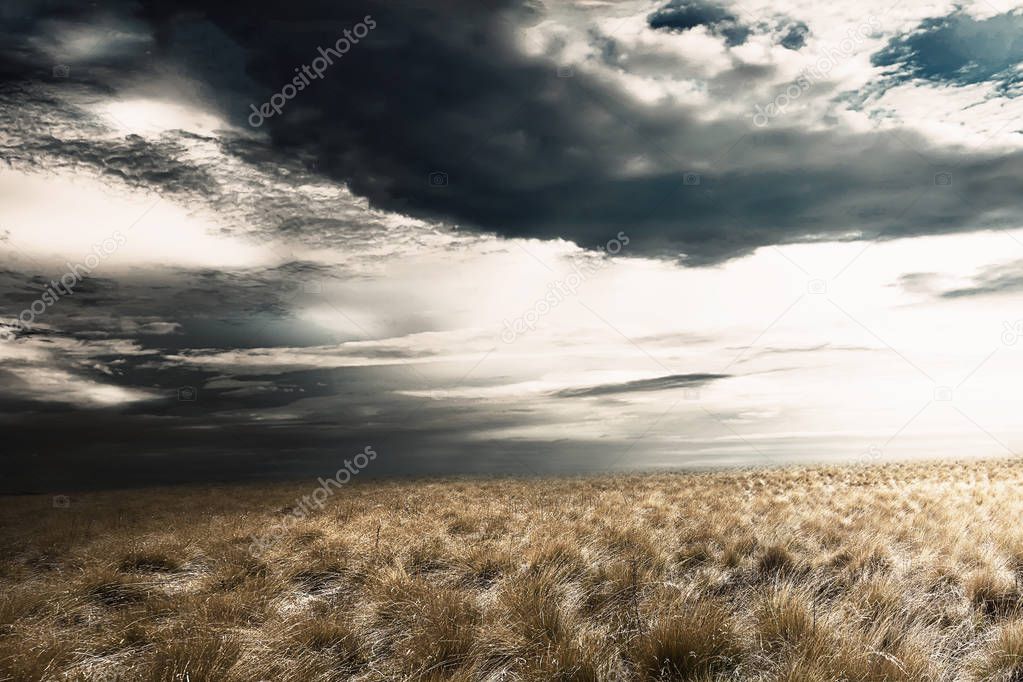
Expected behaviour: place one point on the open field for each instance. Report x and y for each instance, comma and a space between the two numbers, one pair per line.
898, 572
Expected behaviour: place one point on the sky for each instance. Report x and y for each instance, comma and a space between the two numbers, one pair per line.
248, 240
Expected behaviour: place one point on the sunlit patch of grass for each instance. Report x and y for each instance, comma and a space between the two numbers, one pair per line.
532, 604
786, 616
1001, 659
197, 652
327, 629
440, 633
690, 640
993, 593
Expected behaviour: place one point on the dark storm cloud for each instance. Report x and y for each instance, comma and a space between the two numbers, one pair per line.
74, 43
138, 301
959, 49
109, 341
132, 159
171, 421
664, 383
201, 423
526, 153
70, 451
244, 426
443, 91
245, 182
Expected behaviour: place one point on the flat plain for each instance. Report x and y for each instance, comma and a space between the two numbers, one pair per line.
893, 572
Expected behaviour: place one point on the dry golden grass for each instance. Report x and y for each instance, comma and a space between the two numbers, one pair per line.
901, 572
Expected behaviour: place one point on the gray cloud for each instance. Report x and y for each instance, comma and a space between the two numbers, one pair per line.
798, 350
1002, 278
919, 282
1006, 278
795, 35
664, 383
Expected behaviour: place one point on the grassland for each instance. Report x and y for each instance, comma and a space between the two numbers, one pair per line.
898, 572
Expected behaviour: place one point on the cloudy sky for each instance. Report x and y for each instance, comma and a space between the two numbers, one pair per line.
249, 239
